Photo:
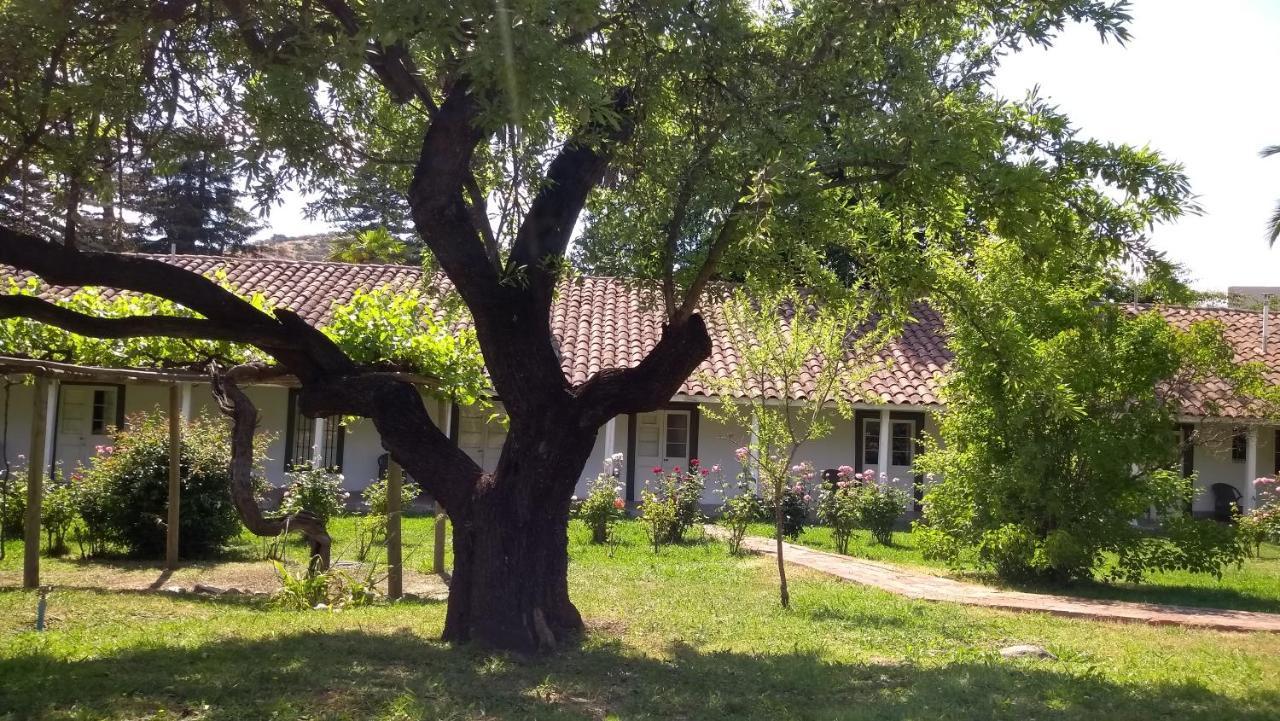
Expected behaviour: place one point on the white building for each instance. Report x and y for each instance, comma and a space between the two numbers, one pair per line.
605, 322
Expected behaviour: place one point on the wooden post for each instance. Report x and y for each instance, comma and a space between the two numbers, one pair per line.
437, 560
35, 485
395, 567
175, 477
437, 551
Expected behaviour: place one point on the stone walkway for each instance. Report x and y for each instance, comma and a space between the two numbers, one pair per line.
919, 585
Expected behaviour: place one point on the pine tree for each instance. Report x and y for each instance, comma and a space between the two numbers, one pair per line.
190, 203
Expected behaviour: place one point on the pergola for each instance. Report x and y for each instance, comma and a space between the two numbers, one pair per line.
47, 374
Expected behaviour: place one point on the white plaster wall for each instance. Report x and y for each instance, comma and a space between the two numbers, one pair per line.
1213, 462
17, 441
361, 447
716, 445
596, 463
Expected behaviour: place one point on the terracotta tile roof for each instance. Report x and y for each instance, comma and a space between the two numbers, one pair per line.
610, 322
1243, 330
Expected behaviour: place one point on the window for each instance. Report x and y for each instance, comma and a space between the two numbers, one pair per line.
677, 435
870, 442
902, 444
103, 413
302, 431
1239, 445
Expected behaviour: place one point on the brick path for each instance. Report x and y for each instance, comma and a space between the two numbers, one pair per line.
915, 584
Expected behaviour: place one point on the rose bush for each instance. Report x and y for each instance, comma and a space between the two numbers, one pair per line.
603, 506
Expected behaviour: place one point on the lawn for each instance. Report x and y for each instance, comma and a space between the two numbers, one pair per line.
690, 633
1254, 586
243, 565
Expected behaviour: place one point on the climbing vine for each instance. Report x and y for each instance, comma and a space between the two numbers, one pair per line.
397, 329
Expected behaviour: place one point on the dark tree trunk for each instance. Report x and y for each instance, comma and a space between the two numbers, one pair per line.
511, 548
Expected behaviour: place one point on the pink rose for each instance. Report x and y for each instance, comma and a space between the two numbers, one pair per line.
693, 462
657, 470
808, 498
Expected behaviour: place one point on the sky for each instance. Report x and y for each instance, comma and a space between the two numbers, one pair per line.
1191, 83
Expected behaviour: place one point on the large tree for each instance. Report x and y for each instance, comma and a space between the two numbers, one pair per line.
189, 199
682, 139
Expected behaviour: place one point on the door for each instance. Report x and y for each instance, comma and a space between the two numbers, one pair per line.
662, 440
86, 416
481, 435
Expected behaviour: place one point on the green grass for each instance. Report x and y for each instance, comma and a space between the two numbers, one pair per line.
1254, 586
417, 534
690, 633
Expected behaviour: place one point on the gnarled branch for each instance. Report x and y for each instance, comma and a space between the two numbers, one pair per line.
645, 387
172, 326
308, 352
575, 171
244, 421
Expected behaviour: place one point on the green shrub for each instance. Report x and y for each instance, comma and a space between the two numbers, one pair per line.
838, 507
1259, 527
1182, 544
1010, 551
674, 506
13, 501
332, 589
123, 495
935, 545
1060, 403
602, 506
57, 515
795, 512
317, 491
879, 506
658, 513
1263, 523
740, 508
1066, 556
371, 530
375, 496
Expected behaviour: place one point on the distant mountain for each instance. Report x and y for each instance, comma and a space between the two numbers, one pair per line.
295, 247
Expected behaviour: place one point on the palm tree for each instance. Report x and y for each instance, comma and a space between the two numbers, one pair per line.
1273, 224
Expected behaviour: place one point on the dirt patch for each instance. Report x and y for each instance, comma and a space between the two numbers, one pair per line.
248, 576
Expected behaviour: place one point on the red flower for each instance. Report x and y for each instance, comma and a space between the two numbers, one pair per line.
657, 470
704, 471
618, 503
693, 462
676, 469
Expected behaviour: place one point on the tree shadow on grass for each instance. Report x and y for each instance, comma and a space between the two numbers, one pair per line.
359, 674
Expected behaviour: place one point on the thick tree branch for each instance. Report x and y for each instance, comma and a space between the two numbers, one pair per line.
307, 351
733, 229
244, 423
650, 384
440, 213
38, 309
577, 169
407, 432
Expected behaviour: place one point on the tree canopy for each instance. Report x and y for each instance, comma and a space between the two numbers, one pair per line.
843, 145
